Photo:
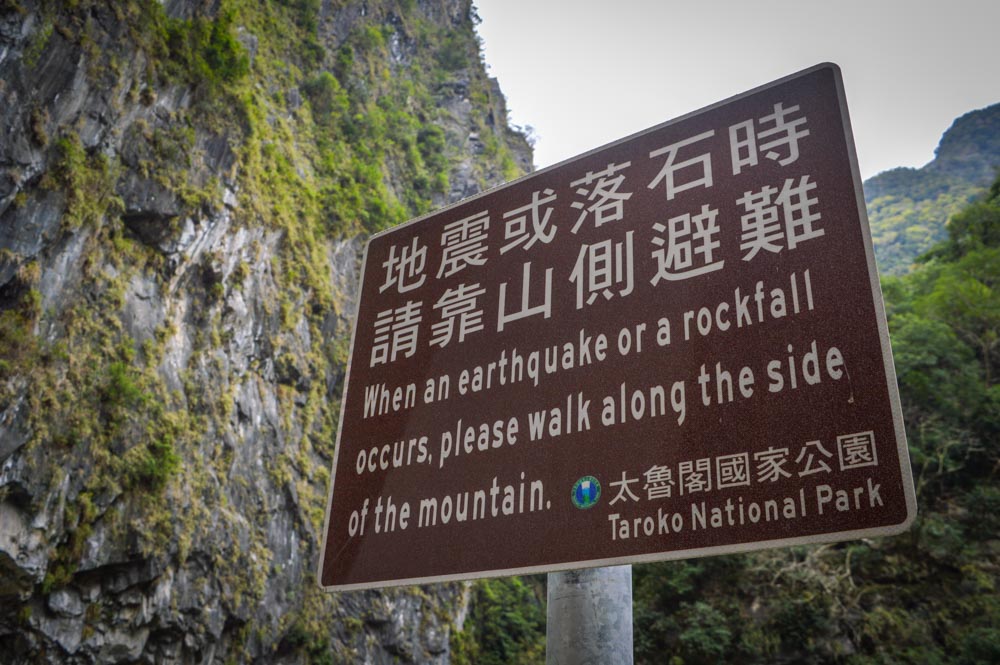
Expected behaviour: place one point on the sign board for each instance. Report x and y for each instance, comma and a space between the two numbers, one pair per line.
669, 347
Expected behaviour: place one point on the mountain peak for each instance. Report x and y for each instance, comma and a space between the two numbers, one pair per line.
971, 146
908, 207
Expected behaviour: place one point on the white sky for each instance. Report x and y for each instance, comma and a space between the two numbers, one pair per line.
583, 73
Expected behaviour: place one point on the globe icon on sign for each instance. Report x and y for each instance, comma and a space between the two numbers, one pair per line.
586, 492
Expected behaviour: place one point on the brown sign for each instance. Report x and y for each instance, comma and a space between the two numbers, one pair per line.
669, 347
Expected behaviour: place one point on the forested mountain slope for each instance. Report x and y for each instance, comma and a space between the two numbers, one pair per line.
184, 189
907, 207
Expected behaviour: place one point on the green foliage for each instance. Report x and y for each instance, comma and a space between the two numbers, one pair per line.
39, 119
928, 354
306, 18
39, 41
705, 636
301, 638
87, 180
328, 100
454, 53
371, 39
150, 466
121, 391
431, 143
205, 52
980, 645
505, 624
57, 577
18, 345
680, 614
975, 227
967, 297
904, 227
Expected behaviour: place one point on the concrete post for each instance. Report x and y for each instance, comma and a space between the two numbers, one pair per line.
589, 620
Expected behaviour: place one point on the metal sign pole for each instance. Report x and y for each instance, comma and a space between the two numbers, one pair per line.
589, 617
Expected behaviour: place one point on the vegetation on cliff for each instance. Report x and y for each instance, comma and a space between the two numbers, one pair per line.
188, 181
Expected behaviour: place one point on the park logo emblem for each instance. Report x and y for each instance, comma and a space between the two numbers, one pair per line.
586, 492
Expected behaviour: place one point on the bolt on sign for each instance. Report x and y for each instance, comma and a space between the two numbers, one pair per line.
669, 347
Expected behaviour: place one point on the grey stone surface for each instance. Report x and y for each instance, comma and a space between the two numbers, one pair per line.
166, 591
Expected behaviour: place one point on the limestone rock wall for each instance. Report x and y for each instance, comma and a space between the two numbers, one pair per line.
184, 192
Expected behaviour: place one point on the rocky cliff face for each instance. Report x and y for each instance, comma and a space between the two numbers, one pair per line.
184, 191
